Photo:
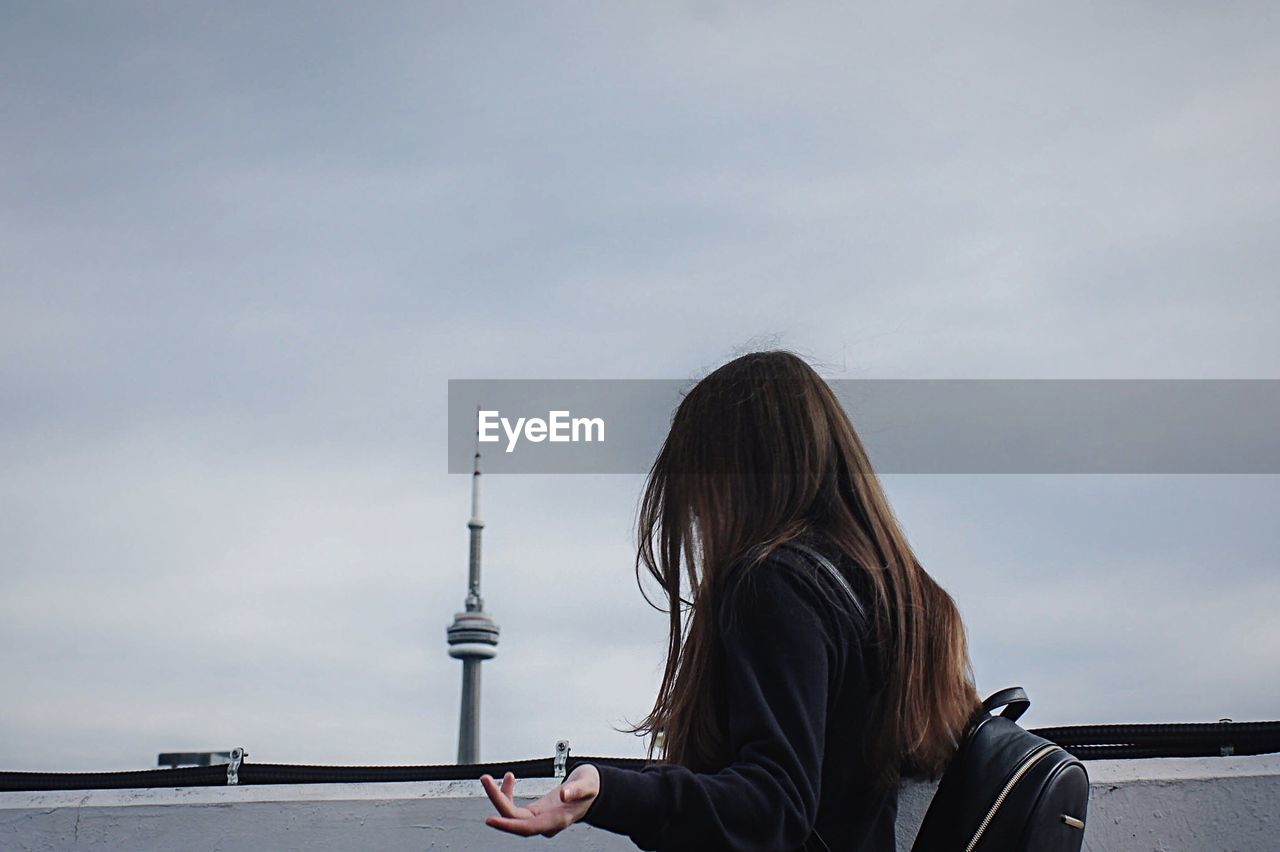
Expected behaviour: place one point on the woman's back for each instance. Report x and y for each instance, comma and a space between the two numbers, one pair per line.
796, 687
852, 813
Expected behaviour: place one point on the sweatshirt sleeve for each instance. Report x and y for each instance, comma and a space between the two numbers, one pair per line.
778, 663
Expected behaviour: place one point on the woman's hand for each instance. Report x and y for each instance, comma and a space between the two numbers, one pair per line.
551, 814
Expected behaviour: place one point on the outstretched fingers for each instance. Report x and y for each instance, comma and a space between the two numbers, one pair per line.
501, 798
548, 816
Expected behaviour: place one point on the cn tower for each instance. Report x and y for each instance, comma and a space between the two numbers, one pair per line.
473, 637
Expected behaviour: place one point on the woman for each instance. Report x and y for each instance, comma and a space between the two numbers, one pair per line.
786, 717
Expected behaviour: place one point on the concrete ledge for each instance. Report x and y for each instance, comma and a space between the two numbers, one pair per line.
1135, 806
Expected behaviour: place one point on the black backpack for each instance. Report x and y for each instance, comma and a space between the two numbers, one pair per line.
1007, 790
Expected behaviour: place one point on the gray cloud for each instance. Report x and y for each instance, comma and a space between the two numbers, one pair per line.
246, 247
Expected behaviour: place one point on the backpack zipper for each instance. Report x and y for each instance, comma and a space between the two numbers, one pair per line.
1022, 770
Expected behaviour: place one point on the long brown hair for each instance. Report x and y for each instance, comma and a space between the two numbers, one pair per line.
761, 452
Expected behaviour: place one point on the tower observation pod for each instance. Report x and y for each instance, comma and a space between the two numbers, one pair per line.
473, 637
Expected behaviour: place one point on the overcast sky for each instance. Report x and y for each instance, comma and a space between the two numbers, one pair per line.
246, 245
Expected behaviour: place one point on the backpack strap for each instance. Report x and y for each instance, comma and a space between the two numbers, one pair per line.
826, 565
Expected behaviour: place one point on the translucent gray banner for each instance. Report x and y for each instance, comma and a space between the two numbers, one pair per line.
908, 426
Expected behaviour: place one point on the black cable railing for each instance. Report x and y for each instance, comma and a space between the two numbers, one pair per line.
1183, 739
1087, 742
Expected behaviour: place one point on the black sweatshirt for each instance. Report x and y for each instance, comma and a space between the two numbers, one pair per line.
796, 701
